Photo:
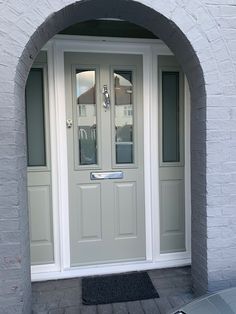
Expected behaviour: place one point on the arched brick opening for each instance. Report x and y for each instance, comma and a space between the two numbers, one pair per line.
183, 49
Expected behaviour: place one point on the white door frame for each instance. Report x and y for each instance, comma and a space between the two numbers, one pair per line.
149, 49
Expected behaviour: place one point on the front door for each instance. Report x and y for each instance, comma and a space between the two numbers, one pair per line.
104, 112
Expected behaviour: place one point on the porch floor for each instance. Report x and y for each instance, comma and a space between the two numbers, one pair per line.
64, 296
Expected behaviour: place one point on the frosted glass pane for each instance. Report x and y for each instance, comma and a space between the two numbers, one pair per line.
170, 116
35, 118
86, 116
124, 153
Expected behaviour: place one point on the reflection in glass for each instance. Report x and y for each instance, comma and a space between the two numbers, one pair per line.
86, 116
85, 83
123, 91
170, 116
34, 95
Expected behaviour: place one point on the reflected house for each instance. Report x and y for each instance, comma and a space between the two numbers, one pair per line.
124, 107
124, 115
87, 126
123, 104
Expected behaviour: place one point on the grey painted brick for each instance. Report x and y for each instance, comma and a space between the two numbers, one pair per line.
207, 53
9, 237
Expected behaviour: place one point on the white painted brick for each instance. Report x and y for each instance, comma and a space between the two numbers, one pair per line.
210, 26
213, 34
204, 20
185, 22
227, 22
216, 113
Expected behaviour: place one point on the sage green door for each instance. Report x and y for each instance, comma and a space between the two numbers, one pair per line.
105, 157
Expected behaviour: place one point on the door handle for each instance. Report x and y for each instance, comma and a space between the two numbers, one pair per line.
107, 102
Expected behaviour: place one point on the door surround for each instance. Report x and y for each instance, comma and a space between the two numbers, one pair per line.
149, 49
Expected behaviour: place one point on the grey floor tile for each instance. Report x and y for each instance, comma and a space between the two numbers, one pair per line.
183, 270
67, 283
150, 306
176, 301
72, 310
39, 308
164, 292
163, 305
71, 297
119, 308
181, 281
43, 286
88, 309
156, 273
104, 309
160, 283
47, 297
57, 311
173, 291
188, 297
134, 307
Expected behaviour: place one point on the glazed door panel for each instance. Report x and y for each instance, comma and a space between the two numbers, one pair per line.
171, 141
39, 164
105, 157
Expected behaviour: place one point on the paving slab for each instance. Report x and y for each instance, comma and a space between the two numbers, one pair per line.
119, 308
150, 306
65, 296
135, 307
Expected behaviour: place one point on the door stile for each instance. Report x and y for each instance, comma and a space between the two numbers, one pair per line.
187, 119
62, 166
154, 162
106, 137
54, 153
147, 142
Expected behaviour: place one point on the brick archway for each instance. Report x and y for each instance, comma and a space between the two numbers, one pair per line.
187, 28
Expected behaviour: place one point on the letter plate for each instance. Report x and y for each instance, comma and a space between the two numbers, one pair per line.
106, 175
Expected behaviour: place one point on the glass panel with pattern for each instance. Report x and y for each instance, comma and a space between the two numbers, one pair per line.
170, 117
123, 91
34, 96
86, 116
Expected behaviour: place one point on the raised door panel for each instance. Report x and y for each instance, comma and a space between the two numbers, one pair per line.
125, 210
172, 216
39, 203
89, 207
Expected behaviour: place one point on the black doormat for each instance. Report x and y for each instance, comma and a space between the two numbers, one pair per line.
117, 288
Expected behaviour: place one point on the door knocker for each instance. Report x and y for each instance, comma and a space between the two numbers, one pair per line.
107, 102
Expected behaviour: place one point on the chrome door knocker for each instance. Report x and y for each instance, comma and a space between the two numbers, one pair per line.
107, 102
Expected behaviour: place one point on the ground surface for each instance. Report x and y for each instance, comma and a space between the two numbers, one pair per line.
64, 296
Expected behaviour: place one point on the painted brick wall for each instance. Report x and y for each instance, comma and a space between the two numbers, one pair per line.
209, 33
221, 156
